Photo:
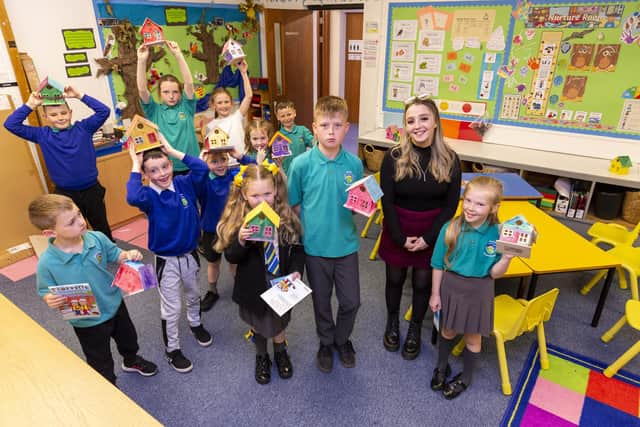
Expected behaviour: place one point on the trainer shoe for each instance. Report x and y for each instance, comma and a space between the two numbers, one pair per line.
178, 362
325, 358
208, 301
141, 366
203, 337
347, 354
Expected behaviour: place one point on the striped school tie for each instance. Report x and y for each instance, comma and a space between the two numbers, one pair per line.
271, 258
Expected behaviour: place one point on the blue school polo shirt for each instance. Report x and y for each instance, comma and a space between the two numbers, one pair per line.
57, 267
475, 251
318, 185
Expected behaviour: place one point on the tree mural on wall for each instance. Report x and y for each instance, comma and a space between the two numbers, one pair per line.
209, 52
125, 64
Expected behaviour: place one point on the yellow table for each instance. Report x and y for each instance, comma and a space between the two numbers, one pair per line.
559, 249
45, 383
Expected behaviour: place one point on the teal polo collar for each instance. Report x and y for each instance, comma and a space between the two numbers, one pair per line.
482, 229
323, 159
56, 130
66, 257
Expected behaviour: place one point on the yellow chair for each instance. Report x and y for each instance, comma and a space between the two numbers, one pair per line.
614, 235
512, 318
629, 258
632, 317
377, 218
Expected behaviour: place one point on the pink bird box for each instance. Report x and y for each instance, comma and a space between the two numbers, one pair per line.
135, 277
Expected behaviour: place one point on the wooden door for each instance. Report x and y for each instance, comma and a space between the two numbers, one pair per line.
353, 62
290, 60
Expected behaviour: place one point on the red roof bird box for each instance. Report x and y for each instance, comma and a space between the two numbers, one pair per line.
151, 33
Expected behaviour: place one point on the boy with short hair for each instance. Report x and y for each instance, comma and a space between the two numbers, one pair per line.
213, 197
171, 206
317, 183
76, 255
68, 151
301, 138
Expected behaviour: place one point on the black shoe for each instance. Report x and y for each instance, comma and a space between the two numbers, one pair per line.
454, 388
325, 358
208, 301
347, 354
285, 369
391, 339
178, 362
141, 366
411, 347
439, 379
203, 337
263, 368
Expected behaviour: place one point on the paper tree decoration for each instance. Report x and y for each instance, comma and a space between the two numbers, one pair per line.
516, 237
264, 223
143, 133
135, 277
51, 92
279, 145
217, 140
620, 165
363, 196
232, 52
151, 33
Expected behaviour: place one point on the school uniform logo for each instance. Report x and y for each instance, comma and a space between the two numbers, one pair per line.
184, 201
99, 257
490, 248
182, 116
348, 178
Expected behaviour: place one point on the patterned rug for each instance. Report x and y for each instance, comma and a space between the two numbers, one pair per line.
572, 392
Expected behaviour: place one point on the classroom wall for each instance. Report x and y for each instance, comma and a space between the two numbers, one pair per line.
372, 117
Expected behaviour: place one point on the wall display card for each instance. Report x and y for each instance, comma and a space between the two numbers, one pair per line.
405, 30
426, 19
581, 56
370, 53
428, 63
79, 39
630, 117
401, 71
431, 40
426, 85
442, 19
399, 91
473, 23
496, 40
510, 108
402, 51
606, 57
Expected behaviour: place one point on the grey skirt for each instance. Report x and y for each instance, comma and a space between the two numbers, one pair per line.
467, 304
268, 324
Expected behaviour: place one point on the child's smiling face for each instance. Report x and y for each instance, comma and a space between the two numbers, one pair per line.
218, 162
59, 116
222, 104
286, 117
259, 139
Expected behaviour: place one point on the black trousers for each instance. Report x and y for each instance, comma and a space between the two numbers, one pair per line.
91, 204
96, 342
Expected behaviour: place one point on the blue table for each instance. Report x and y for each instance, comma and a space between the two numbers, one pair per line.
515, 187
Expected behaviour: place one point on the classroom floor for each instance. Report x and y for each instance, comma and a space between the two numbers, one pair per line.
383, 389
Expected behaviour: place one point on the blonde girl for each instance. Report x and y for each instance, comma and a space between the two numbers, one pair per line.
465, 264
256, 139
232, 122
255, 184
420, 179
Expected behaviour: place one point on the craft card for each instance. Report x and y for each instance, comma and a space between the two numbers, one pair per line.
285, 293
431, 40
80, 302
426, 85
606, 57
427, 63
399, 91
401, 71
405, 30
581, 56
402, 51
426, 18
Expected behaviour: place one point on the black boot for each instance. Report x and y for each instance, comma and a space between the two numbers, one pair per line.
391, 339
263, 368
411, 348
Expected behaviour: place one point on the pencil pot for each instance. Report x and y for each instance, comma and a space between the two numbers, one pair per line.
608, 201
373, 157
631, 207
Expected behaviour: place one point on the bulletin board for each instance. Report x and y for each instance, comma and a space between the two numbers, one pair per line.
450, 51
200, 29
570, 66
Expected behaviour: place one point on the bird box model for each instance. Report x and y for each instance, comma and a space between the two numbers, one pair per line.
151, 33
263, 222
516, 237
217, 140
363, 196
232, 52
134, 277
279, 145
620, 165
51, 92
143, 133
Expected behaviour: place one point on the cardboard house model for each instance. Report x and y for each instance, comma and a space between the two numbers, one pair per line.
620, 165
279, 145
143, 133
51, 92
363, 196
264, 223
516, 237
217, 140
151, 33
134, 277
232, 52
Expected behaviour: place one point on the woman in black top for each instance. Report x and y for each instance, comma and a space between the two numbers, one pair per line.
420, 179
